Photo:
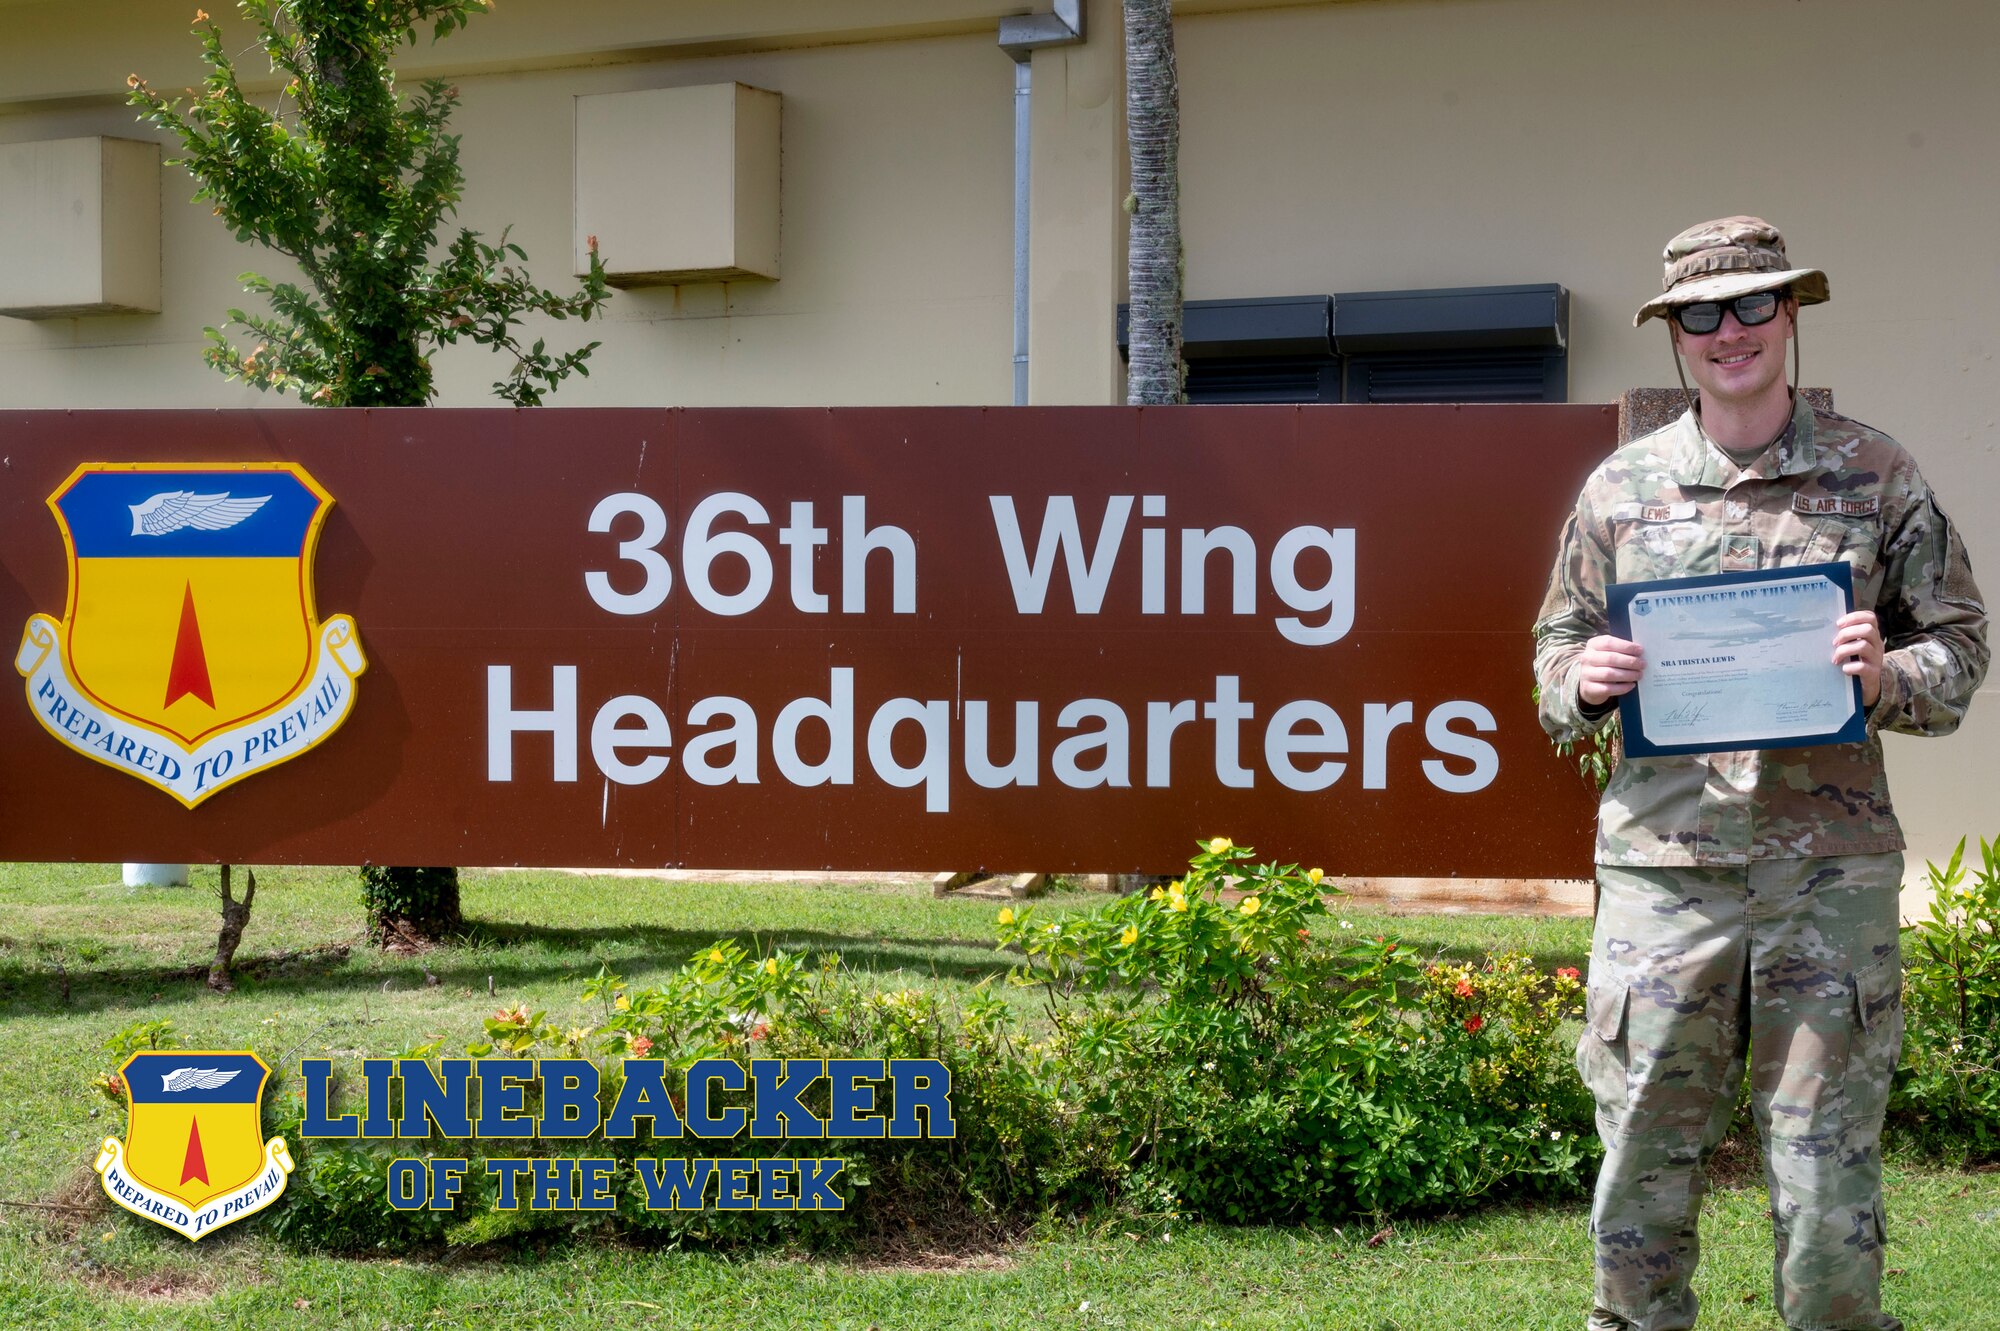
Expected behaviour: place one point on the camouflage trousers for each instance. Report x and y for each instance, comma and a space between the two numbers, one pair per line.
1791, 969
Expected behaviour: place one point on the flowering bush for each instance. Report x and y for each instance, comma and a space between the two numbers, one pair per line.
1184, 938
723, 1003
1246, 1069
1947, 1090
1216, 1045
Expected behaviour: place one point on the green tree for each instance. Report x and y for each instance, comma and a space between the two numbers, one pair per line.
353, 181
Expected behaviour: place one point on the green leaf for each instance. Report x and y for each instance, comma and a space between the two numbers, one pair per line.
352, 183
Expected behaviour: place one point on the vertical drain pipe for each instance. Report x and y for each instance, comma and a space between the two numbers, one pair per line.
1024, 83
1020, 37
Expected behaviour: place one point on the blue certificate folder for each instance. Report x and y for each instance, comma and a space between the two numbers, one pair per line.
1728, 611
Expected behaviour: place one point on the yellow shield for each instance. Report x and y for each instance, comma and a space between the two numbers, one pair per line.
195, 1131
190, 598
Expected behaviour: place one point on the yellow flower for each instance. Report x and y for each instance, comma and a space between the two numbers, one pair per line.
1218, 845
770, 965
1314, 875
1177, 904
1156, 894
1130, 936
1175, 889
622, 1003
1006, 915
715, 955
1251, 906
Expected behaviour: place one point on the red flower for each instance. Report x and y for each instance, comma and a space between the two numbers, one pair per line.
760, 1030
1463, 989
641, 1046
1568, 973
1474, 1022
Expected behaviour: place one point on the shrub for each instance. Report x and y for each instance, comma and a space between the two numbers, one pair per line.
1946, 1095
410, 904
1198, 1049
334, 1199
122, 1045
723, 1003
1248, 1071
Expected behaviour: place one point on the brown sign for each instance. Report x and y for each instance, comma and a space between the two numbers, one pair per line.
1061, 639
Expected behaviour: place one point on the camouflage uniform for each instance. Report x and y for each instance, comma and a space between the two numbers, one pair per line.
1748, 900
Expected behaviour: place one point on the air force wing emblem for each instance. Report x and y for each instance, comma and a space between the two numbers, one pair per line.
194, 1156
202, 1079
190, 655
171, 510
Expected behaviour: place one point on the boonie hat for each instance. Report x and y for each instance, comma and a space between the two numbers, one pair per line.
1727, 258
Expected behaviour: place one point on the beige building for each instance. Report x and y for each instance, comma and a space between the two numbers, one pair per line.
845, 232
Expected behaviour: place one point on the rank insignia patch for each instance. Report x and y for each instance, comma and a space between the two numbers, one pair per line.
194, 1156
190, 655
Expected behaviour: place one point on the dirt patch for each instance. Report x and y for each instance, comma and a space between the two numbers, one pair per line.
157, 1286
294, 962
78, 1215
941, 1240
936, 1263
77, 1208
1739, 1162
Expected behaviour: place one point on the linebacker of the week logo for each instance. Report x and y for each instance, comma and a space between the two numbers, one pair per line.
190, 655
194, 1156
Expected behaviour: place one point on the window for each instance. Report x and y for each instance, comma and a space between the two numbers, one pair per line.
1454, 344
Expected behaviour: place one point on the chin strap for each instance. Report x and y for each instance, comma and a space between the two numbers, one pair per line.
1798, 381
1681, 374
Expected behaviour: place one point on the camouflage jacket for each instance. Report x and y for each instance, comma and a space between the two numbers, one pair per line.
1673, 505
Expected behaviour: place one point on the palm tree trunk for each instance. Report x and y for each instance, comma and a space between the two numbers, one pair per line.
1153, 130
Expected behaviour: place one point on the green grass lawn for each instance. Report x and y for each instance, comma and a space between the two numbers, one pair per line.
82, 956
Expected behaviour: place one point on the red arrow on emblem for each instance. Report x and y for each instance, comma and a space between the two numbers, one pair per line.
187, 677
195, 1166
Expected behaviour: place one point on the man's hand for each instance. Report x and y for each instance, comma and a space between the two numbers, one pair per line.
1610, 666
1857, 650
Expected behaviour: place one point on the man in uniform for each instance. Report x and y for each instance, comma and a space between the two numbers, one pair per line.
1747, 909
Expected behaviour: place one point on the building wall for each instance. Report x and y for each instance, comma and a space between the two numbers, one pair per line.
1412, 145
896, 235
1365, 147
1326, 147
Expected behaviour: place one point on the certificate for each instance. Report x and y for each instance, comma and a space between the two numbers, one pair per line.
1738, 661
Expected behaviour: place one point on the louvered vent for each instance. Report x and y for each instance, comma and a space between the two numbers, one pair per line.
1441, 344
1272, 379
1455, 376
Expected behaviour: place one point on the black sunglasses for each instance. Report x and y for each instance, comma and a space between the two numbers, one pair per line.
1759, 307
